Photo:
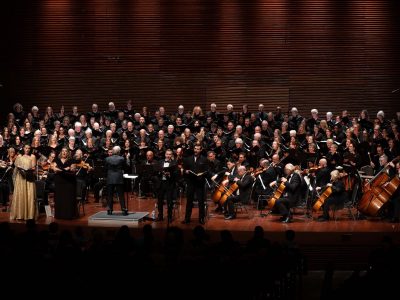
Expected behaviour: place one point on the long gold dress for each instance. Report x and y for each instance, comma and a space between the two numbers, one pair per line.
23, 206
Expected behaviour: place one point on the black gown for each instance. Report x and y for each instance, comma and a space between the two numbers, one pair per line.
65, 192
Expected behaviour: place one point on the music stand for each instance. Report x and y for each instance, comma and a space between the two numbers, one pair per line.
99, 172
145, 171
132, 178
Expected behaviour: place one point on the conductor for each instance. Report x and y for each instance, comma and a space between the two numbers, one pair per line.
115, 165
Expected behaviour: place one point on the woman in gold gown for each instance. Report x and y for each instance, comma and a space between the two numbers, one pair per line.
24, 206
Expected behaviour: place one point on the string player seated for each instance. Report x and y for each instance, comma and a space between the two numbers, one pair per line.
337, 197
291, 194
244, 182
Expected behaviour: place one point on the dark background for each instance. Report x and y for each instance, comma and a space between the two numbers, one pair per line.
326, 54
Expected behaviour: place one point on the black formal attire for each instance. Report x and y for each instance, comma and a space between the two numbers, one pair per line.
322, 177
65, 191
334, 160
147, 171
167, 184
195, 185
114, 166
263, 181
242, 194
290, 196
396, 205
4, 185
337, 197
82, 180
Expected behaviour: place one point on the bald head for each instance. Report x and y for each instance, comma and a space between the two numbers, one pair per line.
323, 162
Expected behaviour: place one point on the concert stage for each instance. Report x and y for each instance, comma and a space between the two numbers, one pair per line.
336, 241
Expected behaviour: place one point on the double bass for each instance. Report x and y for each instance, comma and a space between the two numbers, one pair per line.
378, 191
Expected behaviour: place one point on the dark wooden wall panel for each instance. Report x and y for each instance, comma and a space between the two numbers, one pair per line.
323, 54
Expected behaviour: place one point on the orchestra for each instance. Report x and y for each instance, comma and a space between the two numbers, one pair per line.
232, 156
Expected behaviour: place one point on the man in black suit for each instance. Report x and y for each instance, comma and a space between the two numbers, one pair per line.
323, 174
263, 180
291, 193
167, 178
244, 182
195, 165
115, 165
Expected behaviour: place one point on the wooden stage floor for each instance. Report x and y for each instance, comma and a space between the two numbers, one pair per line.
245, 222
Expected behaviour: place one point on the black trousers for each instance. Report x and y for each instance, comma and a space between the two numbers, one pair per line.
396, 205
120, 192
328, 203
165, 191
81, 188
96, 189
229, 203
284, 204
4, 193
195, 190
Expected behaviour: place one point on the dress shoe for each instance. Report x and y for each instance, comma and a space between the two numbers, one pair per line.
186, 221
125, 212
202, 221
361, 217
218, 209
109, 212
287, 220
230, 217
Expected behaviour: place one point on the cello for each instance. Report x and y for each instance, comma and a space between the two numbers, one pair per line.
277, 194
229, 191
219, 191
280, 189
378, 191
321, 199
325, 195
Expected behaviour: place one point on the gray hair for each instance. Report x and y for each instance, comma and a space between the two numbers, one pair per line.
242, 168
116, 150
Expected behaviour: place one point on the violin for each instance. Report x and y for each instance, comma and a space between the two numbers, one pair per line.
258, 171
48, 166
310, 170
83, 165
